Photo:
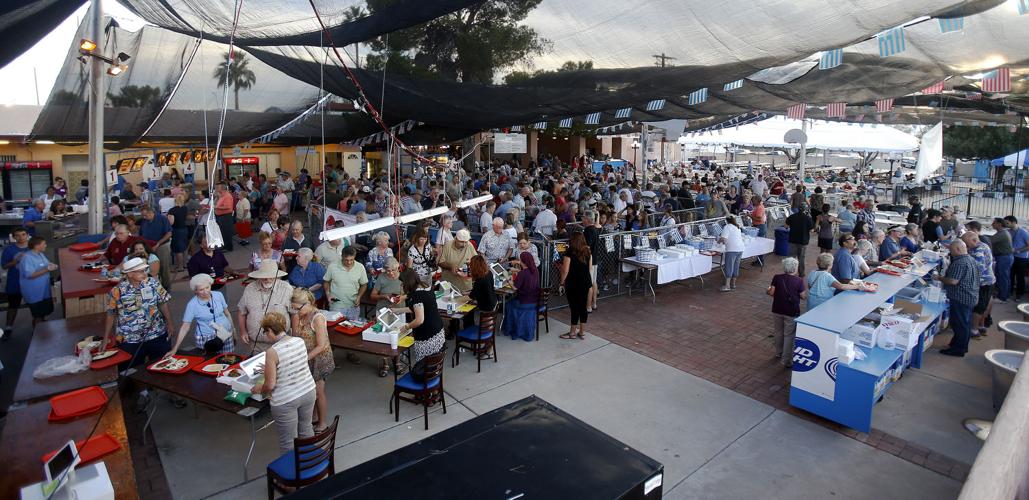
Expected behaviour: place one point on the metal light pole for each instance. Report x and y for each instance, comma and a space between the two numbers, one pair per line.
644, 145
97, 165
803, 152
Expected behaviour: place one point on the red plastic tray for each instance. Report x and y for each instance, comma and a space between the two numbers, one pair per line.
84, 247
225, 279
94, 270
78, 402
200, 367
92, 449
349, 330
886, 271
121, 357
91, 256
192, 361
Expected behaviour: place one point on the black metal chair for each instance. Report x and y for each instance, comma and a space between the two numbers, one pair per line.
543, 311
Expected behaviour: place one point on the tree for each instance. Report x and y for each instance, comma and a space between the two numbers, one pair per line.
134, 96
972, 143
470, 45
866, 160
352, 13
521, 77
793, 155
240, 76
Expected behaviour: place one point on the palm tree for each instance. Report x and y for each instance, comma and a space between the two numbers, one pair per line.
240, 75
352, 13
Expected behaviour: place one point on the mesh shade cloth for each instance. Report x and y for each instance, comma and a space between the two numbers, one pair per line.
25, 22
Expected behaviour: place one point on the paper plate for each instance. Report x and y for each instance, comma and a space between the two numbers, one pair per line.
214, 367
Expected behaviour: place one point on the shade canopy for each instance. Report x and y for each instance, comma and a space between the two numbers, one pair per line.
1020, 158
833, 136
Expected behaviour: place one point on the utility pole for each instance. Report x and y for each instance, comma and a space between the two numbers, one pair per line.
97, 164
662, 59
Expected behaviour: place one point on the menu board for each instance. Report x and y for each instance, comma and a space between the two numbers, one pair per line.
137, 164
125, 165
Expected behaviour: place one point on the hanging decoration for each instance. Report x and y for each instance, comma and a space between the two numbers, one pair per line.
998, 80
656, 105
275, 134
565, 123
593, 118
398, 129
796, 111
883, 106
951, 25
831, 59
836, 110
698, 96
936, 88
623, 113
891, 42
733, 85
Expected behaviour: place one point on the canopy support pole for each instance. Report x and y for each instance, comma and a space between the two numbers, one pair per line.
803, 151
644, 144
97, 163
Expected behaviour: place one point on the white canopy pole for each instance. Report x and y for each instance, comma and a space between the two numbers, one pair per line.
803, 151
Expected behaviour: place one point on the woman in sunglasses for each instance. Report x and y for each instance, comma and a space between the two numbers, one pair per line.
210, 312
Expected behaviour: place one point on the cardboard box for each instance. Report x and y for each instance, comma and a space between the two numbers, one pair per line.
249, 378
862, 334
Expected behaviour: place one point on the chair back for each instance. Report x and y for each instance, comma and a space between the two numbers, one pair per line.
541, 305
311, 452
487, 322
434, 366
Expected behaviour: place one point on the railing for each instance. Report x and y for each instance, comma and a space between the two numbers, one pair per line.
1001, 470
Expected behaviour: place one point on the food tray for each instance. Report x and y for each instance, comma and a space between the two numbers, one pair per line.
111, 344
90, 269
91, 255
91, 449
199, 368
84, 247
121, 357
191, 361
353, 330
78, 402
227, 278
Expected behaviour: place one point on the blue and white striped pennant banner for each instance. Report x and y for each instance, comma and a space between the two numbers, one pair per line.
593, 118
656, 105
698, 96
623, 113
1023, 7
516, 128
541, 125
733, 85
831, 59
891, 42
566, 123
952, 24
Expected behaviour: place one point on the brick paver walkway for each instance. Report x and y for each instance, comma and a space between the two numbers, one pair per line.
726, 338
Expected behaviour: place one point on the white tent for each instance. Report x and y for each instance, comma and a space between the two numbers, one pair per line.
834, 136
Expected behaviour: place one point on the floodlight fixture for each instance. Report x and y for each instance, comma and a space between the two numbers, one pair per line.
117, 70
87, 46
474, 201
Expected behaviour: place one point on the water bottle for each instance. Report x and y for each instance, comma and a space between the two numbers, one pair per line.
393, 337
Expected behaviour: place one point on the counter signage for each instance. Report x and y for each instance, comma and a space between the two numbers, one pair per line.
814, 361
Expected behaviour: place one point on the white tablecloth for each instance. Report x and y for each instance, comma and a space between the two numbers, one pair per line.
669, 269
752, 248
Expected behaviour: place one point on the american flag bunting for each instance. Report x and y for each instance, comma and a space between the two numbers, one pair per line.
952, 24
698, 96
936, 88
593, 118
836, 110
884, 105
733, 85
656, 105
998, 80
891, 42
623, 113
831, 59
973, 96
796, 111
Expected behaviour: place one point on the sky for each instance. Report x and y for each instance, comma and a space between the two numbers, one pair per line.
48, 55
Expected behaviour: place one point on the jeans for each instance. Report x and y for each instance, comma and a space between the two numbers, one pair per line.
293, 420
1002, 267
731, 267
149, 351
1018, 275
799, 251
785, 333
960, 322
762, 229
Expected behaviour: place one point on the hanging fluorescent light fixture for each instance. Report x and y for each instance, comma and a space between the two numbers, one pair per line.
364, 227
474, 201
424, 214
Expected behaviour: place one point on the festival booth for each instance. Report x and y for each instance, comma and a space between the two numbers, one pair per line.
852, 348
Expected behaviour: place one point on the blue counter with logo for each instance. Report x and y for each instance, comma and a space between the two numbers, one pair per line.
847, 393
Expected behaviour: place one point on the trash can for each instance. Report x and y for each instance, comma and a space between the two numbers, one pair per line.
1024, 309
782, 241
1004, 364
1016, 335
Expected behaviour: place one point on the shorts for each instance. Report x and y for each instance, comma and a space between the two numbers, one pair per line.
593, 273
42, 309
985, 294
13, 301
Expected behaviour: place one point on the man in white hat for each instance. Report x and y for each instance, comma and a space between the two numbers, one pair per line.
138, 315
454, 258
267, 293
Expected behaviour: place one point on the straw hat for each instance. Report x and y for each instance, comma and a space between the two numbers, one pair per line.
268, 269
134, 264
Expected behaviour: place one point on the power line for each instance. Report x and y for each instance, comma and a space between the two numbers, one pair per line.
662, 59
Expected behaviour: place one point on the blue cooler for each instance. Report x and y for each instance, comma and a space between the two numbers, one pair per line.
782, 241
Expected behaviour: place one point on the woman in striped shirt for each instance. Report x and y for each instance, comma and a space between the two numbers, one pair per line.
287, 381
